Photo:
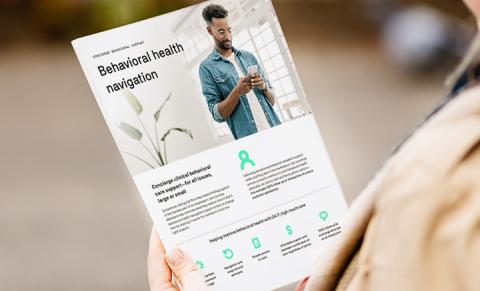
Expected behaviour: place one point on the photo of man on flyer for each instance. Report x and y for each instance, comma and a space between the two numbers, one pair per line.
233, 82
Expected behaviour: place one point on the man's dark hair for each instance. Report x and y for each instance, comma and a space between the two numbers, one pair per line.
214, 11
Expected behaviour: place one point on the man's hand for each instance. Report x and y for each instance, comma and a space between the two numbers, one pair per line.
163, 267
243, 85
258, 81
227, 106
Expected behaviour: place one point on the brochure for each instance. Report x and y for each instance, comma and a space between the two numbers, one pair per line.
210, 117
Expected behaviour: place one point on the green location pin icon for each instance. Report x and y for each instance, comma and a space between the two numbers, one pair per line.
323, 215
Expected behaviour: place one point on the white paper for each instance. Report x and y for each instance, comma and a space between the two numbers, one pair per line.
252, 212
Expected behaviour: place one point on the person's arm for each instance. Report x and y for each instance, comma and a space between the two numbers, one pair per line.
226, 107
210, 92
262, 83
259, 82
221, 109
270, 96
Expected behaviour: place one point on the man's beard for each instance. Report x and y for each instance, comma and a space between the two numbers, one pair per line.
225, 44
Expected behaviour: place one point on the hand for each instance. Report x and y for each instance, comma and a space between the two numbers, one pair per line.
243, 85
162, 266
258, 81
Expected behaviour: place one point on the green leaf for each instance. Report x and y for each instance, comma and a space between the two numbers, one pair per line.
133, 101
131, 131
157, 113
183, 130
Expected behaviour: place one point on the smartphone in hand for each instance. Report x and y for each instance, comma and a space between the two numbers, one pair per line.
252, 70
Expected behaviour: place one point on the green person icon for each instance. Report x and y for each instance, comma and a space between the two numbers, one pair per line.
245, 159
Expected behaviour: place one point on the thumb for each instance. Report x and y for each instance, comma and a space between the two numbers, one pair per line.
186, 271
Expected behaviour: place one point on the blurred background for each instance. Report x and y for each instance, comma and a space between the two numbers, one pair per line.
70, 216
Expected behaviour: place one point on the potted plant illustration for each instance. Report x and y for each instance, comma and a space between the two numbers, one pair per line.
155, 149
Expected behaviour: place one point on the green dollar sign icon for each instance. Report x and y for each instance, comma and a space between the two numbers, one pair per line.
289, 229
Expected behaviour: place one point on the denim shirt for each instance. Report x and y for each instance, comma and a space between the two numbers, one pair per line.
218, 78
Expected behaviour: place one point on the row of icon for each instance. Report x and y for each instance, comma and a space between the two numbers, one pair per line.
229, 254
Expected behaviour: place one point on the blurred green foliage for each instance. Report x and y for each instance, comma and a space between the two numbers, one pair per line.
68, 19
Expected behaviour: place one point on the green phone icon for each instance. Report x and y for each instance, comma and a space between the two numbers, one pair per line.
256, 243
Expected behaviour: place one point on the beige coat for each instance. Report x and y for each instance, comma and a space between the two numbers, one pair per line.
417, 224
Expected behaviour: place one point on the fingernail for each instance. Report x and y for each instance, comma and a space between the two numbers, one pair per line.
175, 258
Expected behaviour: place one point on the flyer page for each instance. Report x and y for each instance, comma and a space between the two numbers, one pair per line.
210, 117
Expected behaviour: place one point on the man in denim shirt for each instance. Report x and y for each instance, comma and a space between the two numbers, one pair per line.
243, 100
